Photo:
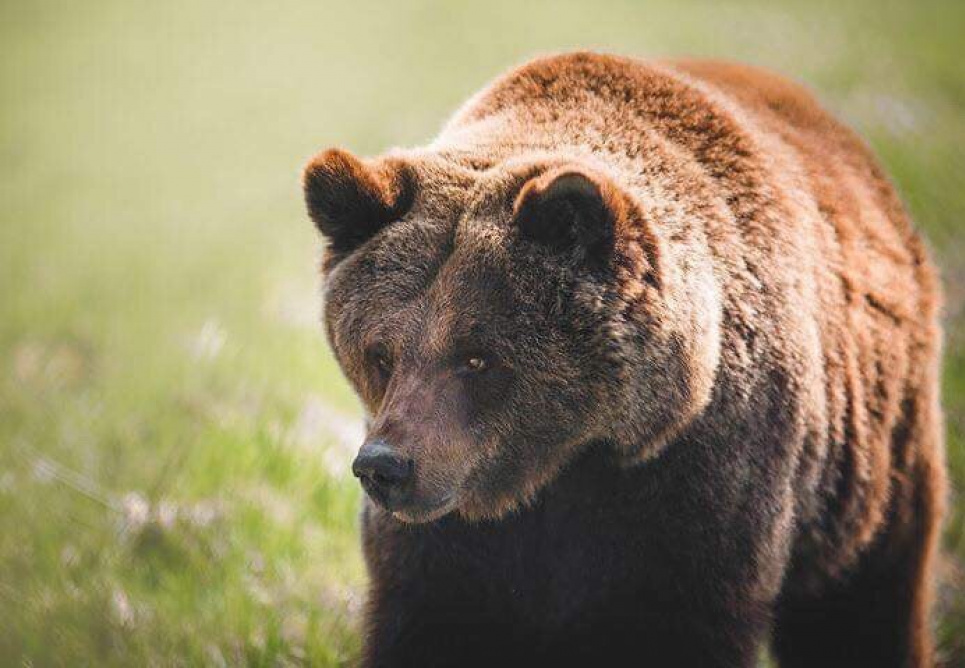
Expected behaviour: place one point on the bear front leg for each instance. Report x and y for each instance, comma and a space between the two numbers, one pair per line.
663, 637
402, 633
423, 608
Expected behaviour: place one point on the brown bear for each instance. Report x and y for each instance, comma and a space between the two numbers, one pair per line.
649, 354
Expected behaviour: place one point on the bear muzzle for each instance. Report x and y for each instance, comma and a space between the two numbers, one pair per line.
390, 479
385, 475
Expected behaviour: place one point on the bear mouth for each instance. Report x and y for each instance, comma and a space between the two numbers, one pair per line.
423, 513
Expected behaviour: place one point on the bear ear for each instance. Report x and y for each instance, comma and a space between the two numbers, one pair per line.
571, 209
350, 200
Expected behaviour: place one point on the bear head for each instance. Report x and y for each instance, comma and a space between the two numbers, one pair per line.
496, 320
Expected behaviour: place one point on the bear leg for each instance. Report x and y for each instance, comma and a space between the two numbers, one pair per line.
879, 614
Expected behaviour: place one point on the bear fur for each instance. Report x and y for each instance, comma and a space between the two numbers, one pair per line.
658, 349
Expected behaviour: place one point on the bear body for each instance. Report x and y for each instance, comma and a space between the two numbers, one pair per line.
650, 356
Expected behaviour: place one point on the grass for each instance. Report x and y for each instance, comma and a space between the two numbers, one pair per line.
173, 431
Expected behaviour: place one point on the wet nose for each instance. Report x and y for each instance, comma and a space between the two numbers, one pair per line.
382, 471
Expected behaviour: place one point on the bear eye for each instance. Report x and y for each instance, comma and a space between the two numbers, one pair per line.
474, 364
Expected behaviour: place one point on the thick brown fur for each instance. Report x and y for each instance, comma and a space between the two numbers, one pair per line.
702, 408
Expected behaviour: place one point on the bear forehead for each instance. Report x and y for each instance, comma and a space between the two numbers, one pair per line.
428, 270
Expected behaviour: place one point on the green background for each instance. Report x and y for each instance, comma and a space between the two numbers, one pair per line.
173, 432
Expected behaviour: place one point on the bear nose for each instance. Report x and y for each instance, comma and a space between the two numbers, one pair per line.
382, 471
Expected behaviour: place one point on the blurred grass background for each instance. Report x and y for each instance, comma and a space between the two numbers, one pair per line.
173, 433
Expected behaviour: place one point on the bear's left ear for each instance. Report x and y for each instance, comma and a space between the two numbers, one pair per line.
350, 200
571, 209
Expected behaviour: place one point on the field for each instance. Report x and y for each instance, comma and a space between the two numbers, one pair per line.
174, 435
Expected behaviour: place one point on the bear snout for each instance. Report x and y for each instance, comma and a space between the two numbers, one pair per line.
385, 474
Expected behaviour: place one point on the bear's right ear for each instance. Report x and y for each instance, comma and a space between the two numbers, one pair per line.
350, 200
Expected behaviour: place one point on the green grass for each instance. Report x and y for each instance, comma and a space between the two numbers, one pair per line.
173, 431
